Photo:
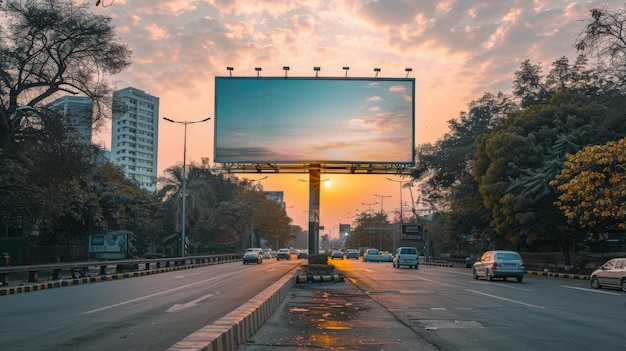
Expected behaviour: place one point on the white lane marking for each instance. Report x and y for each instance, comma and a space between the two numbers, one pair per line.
505, 299
179, 307
151, 295
185, 276
503, 286
590, 290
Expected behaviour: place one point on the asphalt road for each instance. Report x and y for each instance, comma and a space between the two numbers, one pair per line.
144, 313
452, 311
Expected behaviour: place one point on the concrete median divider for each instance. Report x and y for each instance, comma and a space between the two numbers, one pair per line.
232, 330
304, 279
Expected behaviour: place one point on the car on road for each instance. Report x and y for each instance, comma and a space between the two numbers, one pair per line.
253, 256
303, 254
386, 256
371, 255
267, 253
283, 254
352, 253
611, 274
336, 254
499, 264
406, 256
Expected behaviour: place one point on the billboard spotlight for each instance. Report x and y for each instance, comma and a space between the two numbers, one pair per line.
317, 70
230, 70
407, 71
258, 71
346, 68
286, 68
376, 70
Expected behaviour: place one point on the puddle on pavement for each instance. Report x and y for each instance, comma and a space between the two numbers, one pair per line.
334, 325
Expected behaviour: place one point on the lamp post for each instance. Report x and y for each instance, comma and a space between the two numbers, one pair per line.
184, 180
401, 206
382, 201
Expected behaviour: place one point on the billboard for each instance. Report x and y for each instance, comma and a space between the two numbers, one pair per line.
412, 232
314, 120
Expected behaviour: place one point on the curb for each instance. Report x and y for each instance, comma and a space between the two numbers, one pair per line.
232, 330
300, 279
449, 265
559, 275
95, 279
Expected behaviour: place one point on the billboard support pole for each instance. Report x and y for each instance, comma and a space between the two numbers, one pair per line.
314, 208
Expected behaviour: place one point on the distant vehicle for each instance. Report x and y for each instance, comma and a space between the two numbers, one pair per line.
267, 253
386, 256
499, 264
283, 254
303, 254
371, 255
253, 256
406, 256
336, 254
294, 251
352, 253
611, 274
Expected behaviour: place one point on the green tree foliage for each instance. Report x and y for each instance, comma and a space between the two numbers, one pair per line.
221, 212
515, 163
592, 186
445, 168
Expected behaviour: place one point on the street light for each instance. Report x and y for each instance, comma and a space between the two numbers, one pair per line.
369, 208
400, 182
184, 180
382, 201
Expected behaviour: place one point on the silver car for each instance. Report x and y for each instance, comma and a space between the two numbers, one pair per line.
500, 264
611, 274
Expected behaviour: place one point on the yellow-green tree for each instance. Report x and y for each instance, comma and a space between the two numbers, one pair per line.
592, 186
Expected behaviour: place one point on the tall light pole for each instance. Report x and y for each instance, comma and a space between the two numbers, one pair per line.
382, 201
401, 205
184, 180
400, 182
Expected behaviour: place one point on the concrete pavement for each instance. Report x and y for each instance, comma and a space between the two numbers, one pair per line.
333, 316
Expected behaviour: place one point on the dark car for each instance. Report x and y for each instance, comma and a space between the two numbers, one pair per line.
352, 253
611, 274
303, 254
253, 256
283, 254
336, 254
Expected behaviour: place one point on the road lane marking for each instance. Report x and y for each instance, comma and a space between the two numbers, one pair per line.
590, 290
185, 276
151, 295
179, 307
505, 299
503, 286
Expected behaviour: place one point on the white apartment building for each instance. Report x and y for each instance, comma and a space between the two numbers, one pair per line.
78, 111
134, 136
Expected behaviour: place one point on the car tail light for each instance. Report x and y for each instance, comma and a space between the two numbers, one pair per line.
494, 265
523, 265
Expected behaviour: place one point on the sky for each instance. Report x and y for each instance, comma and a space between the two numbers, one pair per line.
457, 51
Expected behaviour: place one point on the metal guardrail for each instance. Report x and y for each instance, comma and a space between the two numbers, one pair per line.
78, 269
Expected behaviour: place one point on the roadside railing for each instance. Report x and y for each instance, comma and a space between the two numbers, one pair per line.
81, 269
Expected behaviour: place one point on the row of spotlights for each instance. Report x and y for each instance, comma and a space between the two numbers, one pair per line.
316, 69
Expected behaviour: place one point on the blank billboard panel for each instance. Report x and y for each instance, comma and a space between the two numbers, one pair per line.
314, 120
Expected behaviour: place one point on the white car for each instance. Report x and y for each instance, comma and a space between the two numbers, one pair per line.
611, 274
406, 256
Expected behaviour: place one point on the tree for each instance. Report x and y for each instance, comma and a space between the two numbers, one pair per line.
51, 48
605, 34
592, 186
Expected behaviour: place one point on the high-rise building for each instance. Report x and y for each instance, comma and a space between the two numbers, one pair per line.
78, 111
134, 136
